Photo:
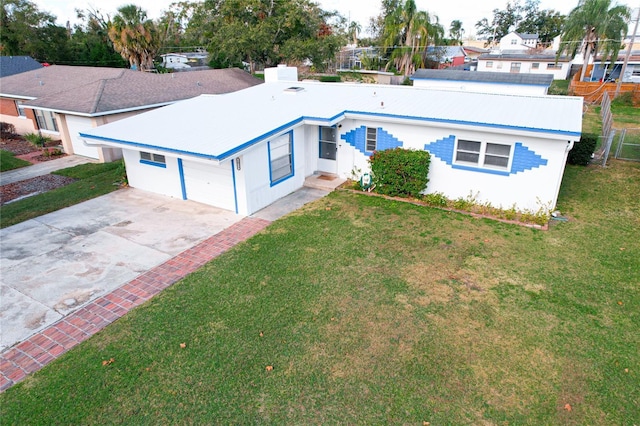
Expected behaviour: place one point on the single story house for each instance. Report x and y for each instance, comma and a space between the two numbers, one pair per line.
10, 65
522, 63
244, 150
60, 101
472, 52
607, 71
487, 82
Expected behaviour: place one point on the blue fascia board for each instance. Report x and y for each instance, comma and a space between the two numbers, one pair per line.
340, 115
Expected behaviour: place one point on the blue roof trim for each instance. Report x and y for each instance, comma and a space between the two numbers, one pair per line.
142, 145
279, 129
260, 138
466, 123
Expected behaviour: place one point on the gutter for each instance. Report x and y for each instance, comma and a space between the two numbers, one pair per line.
100, 114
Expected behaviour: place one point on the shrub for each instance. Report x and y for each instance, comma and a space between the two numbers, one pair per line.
36, 139
7, 130
436, 199
330, 78
582, 151
400, 172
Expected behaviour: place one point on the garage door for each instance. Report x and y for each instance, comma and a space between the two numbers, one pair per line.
209, 184
76, 125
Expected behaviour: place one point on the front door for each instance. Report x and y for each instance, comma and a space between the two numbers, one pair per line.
328, 150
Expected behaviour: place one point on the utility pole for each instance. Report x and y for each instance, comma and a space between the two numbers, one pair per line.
628, 54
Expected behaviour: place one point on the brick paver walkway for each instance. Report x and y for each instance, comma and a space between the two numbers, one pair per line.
43, 347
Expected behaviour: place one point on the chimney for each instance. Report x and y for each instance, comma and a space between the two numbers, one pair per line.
280, 73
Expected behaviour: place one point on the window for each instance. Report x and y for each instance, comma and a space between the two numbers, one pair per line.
514, 41
535, 65
21, 112
468, 151
499, 65
554, 66
328, 143
489, 64
281, 158
46, 120
515, 67
153, 159
372, 136
483, 154
497, 155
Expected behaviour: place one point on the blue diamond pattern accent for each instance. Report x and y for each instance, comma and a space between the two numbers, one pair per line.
442, 149
357, 139
523, 158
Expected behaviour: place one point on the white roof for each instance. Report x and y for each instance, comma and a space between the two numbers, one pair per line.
220, 126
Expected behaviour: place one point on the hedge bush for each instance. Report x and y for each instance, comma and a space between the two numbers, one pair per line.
400, 172
330, 78
582, 151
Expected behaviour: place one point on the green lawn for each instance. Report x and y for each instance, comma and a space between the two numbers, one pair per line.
8, 161
380, 312
93, 180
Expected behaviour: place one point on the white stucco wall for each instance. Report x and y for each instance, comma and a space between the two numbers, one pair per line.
528, 190
22, 124
258, 190
165, 181
526, 67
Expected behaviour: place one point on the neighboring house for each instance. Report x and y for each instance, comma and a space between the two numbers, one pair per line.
484, 82
185, 60
608, 71
244, 150
447, 56
10, 65
472, 52
61, 101
522, 63
518, 42
352, 57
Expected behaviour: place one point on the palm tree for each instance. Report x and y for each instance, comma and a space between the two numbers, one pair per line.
354, 30
135, 37
456, 31
598, 27
408, 31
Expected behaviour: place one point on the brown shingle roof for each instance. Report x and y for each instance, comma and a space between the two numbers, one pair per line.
98, 91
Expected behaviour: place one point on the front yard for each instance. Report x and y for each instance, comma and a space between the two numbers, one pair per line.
360, 310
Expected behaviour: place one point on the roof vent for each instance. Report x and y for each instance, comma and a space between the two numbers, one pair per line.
294, 89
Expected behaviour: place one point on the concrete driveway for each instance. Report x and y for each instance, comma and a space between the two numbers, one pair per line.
54, 264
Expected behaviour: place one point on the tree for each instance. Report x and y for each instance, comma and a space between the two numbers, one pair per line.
597, 27
353, 30
504, 20
25, 30
407, 32
523, 19
546, 23
135, 37
268, 32
90, 43
456, 31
